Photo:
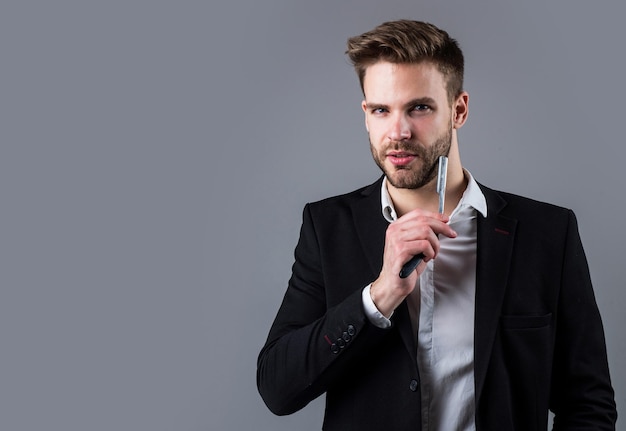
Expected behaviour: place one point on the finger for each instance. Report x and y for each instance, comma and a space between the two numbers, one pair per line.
421, 228
427, 247
419, 214
444, 229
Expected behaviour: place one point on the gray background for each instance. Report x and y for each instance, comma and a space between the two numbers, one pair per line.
156, 156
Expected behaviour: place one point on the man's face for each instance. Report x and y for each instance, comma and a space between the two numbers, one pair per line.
409, 121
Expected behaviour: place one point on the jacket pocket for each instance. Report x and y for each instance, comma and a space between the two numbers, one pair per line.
527, 359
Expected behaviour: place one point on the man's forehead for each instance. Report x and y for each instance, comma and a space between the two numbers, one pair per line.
403, 82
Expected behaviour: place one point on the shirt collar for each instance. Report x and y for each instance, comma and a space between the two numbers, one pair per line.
472, 197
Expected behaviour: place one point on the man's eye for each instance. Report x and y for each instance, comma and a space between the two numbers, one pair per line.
421, 108
379, 110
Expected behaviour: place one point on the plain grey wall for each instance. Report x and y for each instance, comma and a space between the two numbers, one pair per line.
156, 156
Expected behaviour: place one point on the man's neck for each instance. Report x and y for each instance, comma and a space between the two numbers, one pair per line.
426, 197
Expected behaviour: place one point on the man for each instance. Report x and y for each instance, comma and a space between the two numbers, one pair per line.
497, 325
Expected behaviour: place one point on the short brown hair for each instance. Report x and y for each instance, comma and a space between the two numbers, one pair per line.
406, 41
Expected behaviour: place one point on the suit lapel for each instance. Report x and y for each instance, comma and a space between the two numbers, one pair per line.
496, 236
371, 227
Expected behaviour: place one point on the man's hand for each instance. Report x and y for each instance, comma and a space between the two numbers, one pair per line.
414, 233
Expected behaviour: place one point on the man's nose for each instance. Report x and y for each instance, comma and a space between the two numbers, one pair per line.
400, 129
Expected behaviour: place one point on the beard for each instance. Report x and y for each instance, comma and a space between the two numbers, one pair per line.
411, 176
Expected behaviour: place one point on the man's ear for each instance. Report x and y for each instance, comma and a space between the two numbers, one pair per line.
460, 110
364, 107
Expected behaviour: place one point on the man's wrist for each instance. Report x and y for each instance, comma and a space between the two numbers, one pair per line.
372, 312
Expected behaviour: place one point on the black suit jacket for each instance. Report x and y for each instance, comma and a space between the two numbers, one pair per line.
539, 341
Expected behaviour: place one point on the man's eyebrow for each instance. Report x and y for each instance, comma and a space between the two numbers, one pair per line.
421, 101
410, 104
374, 106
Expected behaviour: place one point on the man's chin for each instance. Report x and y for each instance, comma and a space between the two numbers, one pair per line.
401, 182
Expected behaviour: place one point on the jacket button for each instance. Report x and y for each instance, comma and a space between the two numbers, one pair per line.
413, 385
346, 337
341, 343
351, 330
334, 348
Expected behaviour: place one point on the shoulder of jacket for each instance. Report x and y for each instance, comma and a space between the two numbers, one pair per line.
347, 199
514, 202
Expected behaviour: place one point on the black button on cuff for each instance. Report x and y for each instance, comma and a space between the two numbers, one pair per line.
413, 385
346, 337
351, 330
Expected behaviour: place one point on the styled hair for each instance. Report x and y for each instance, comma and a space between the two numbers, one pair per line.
406, 41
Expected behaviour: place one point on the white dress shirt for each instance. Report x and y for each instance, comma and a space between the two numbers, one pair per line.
442, 313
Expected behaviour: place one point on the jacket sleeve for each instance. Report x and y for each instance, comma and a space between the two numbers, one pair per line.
582, 397
311, 342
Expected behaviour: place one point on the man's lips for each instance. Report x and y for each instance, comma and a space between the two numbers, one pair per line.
400, 158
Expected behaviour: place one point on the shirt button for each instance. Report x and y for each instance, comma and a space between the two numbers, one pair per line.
413, 385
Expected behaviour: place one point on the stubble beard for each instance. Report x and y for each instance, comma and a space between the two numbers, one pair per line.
411, 176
